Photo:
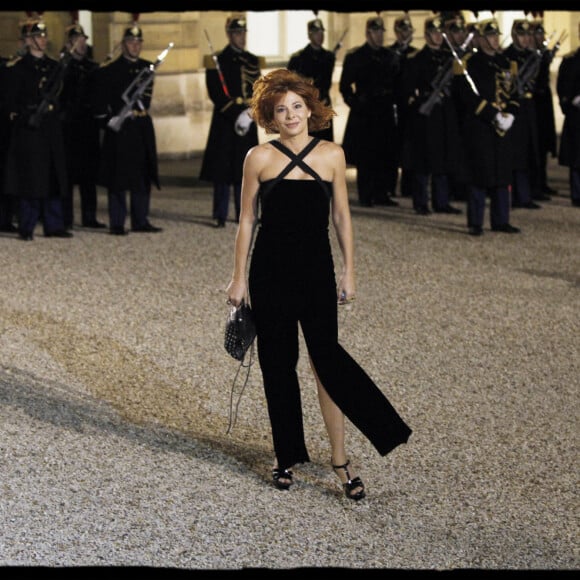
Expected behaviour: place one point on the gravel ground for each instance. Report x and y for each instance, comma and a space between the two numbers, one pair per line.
115, 397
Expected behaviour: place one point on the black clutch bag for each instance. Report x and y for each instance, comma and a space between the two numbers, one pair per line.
240, 331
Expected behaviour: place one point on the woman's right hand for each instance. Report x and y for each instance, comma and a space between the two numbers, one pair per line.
236, 291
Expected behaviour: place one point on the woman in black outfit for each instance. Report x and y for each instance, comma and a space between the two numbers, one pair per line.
294, 183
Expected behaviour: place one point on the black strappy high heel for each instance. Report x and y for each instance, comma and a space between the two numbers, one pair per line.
351, 484
278, 474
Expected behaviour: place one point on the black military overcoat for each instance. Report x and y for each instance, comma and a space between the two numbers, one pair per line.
568, 87
432, 143
35, 161
225, 150
128, 157
367, 87
488, 152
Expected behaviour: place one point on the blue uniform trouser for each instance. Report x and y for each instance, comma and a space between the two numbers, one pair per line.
439, 191
139, 197
575, 184
221, 199
499, 207
88, 195
31, 210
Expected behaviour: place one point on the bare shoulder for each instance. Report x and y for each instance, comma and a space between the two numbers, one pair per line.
259, 154
330, 148
331, 151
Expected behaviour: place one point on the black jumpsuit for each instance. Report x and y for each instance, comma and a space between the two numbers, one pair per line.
291, 281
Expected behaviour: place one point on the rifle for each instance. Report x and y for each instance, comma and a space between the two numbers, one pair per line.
136, 90
528, 72
442, 80
551, 52
463, 67
217, 66
51, 89
338, 45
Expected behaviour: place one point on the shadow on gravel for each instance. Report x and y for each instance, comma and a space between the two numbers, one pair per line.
53, 403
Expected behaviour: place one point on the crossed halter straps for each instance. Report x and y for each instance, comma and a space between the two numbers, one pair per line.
296, 160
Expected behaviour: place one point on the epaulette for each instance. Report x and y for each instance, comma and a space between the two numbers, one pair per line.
413, 54
458, 67
109, 61
13, 61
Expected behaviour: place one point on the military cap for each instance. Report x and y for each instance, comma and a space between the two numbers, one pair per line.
315, 25
236, 24
34, 28
455, 24
434, 23
472, 27
403, 23
489, 26
375, 23
521, 26
133, 32
538, 26
75, 30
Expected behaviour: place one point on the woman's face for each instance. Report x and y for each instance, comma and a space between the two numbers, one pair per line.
291, 114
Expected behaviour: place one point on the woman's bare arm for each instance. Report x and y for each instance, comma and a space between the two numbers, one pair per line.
341, 219
237, 288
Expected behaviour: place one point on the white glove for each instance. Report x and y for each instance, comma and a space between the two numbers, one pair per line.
576, 101
243, 123
504, 121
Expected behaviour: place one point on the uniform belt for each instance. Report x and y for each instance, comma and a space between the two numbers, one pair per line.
377, 94
139, 113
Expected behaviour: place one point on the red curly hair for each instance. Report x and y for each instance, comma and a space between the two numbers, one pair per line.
268, 90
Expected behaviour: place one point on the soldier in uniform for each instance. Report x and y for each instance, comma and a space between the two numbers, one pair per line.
232, 131
568, 89
455, 29
7, 213
35, 165
488, 111
316, 63
367, 85
8, 205
81, 130
431, 148
402, 47
460, 40
525, 130
545, 118
128, 159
